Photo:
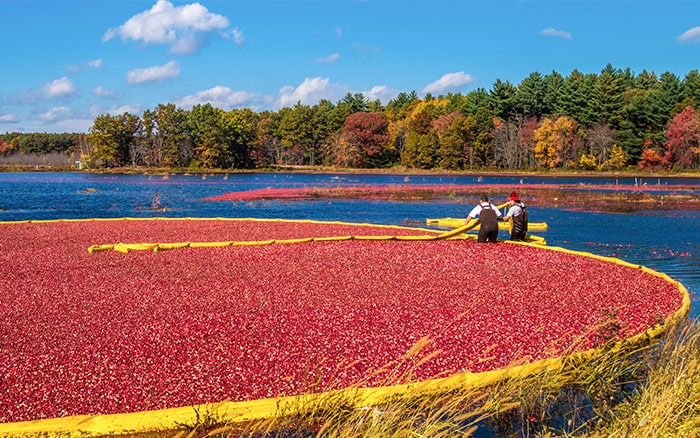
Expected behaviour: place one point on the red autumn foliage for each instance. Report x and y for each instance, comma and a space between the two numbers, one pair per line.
651, 160
107, 332
683, 144
6, 148
369, 133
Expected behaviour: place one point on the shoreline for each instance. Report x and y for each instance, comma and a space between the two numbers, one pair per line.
554, 173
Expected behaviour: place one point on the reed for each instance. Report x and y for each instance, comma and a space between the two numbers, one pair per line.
667, 401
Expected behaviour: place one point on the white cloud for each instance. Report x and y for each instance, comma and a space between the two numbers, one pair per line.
8, 118
237, 36
103, 92
116, 110
449, 82
97, 63
328, 59
157, 73
60, 88
119, 110
550, 31
690, 36
185, 28
56, 114
309, 92
221, 97
381, 92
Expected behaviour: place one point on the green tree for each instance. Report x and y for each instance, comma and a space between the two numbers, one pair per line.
397, 105
670, 95
175, 135
476, 100
268, 147
643, 122
691, 87
552, 99
421, 150
577, 98
113, 138
449, 149
239, 135
608, 102
503, 100
296, 133
354, 103
151, 141
208, 136
375, 106
483, 144
456, 103
326, 123
646, 80
456, 149
529, 99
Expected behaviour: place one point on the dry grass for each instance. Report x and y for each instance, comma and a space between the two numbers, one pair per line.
648, 389
667, 402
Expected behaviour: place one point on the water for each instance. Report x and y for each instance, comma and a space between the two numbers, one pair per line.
668, 241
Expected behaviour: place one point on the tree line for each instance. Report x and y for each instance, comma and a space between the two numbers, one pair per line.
605, 121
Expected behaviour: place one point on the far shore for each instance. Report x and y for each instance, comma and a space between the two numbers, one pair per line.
398, 170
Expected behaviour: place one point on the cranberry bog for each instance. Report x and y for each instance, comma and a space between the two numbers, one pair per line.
610, 197
118, 325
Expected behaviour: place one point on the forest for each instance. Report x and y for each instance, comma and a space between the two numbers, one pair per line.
612, 120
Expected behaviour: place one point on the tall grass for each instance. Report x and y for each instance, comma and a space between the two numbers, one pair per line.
646, 389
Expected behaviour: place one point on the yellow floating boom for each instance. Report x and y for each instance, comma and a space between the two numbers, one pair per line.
453, 222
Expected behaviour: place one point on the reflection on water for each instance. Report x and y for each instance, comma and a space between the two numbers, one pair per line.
668, 241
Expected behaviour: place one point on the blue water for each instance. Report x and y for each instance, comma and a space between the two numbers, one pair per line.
668, 241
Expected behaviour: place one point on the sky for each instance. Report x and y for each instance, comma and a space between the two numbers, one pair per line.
63, 63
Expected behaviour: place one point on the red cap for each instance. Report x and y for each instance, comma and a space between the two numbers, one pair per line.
513, 196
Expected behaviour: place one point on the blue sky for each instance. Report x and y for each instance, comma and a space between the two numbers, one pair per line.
62, 63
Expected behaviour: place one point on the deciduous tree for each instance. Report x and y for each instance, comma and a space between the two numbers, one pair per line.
650, 159
210, 148
618, 159
175, 130
367, 135
683, 144
296, 133
268, 147
113, 138
557, 141
599, 140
